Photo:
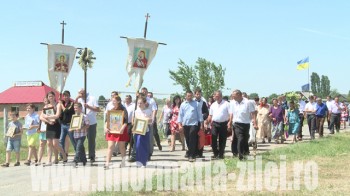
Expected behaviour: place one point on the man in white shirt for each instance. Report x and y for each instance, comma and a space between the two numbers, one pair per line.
329, 103
109, 105
219, 116
154, 123
242, 112
335, 112
130, 107
310, 110
91, 107
301, 115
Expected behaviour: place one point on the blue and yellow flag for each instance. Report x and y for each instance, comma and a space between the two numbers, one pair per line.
303, 64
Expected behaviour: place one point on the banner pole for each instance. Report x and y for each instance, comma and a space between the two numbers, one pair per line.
308, 77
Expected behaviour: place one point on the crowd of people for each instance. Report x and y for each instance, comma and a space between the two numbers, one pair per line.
190, 119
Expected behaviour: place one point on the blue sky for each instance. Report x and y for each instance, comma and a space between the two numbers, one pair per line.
258, 42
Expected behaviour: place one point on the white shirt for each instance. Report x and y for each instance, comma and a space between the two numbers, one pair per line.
146, 113
329, 103
130, 108
241, 111
109, 106
31, 119
220, 112
91, 101
166, 112
310, 106
301, 106
334, 107
152, 104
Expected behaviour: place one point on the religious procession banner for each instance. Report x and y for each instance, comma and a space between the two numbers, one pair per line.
60, 62
141, 54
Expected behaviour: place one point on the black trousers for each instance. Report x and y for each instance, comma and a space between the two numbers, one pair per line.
155, 133
300, 132
191, 136
219, 130
311, 121
199, 152
130, 135
240, 145
335, 121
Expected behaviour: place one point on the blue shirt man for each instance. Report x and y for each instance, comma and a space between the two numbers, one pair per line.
321, 109
189, 115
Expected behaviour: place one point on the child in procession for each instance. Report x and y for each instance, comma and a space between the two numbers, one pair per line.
80, 135
13, 141
31, 124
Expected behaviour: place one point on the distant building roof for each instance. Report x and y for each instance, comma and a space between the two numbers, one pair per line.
26, 92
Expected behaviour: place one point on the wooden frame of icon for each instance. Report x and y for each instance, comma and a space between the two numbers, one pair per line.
140, 126
115, 121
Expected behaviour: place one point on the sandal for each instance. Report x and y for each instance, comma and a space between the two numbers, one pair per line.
27, 162
17, 164
47, 164
5, 165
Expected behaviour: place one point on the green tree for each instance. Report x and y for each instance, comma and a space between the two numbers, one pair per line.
253, 95
292, 96
348, 96
102, 100
204, 74
315, 84
272, 96
185, 76
334, 92
325, 86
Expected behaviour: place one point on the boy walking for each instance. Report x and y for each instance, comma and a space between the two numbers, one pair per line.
31, 125
80, 135
13, 141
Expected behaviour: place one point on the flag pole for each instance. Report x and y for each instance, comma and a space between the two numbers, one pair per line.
308, 77
63, 24
137, 91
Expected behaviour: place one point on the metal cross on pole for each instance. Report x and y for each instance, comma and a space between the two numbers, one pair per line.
63, 23
145, 32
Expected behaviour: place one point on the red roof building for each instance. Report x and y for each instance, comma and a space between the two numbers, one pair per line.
22, 93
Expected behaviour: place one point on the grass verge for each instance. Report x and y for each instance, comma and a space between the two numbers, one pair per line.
330, 155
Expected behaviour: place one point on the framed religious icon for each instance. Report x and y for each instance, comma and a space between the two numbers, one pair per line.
75, 123
140, 126
115, 121
11, 131
27, 125
49, 112
42, 126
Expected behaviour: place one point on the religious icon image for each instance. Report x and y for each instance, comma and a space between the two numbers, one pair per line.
141, 59
49, 112
11, 131
115, 121
140, 126
61, 63
76, 122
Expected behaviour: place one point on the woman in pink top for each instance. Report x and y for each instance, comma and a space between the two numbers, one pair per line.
174, 127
